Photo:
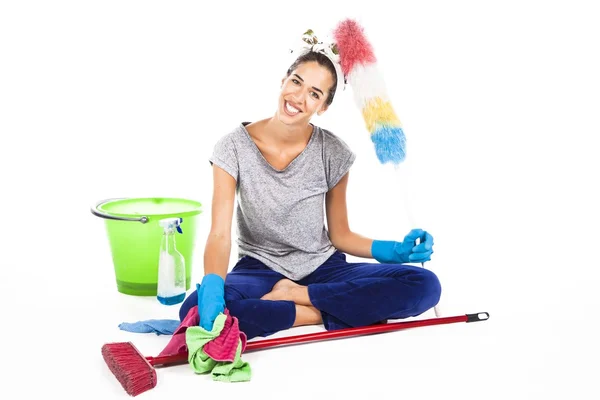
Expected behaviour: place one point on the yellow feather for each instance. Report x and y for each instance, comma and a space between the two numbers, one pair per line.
378, 112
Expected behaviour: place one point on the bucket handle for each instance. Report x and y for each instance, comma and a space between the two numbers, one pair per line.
97, 213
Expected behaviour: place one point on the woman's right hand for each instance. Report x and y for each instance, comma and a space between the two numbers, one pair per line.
211, 299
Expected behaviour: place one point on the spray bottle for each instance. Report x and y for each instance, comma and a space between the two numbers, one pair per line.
171, 265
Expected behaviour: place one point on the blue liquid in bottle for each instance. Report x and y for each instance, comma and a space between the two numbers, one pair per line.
169, 301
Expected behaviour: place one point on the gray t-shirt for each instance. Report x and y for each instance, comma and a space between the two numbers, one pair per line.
281, 213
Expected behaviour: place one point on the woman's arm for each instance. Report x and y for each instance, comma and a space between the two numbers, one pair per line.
337, 221
218, 244
383, 251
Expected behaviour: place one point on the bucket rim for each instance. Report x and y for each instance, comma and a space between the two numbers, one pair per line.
191, 212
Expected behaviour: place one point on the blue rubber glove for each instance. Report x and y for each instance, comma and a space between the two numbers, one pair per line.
390, 252
211, 300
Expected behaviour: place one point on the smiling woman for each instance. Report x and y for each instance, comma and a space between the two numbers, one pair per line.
308, 89
292, 268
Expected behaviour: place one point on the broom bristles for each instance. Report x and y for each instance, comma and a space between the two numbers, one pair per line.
130, 367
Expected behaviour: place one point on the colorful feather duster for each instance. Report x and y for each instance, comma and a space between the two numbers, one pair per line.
359, 66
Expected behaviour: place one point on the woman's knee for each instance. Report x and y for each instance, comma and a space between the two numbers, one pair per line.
431, 290
231, 294
417, 291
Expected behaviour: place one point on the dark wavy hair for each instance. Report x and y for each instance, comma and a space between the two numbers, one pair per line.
324, 61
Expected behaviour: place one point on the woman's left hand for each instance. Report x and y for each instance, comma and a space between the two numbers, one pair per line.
419, 252
405, 251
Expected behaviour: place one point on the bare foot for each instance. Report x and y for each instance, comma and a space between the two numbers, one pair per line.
306, 315
282, 290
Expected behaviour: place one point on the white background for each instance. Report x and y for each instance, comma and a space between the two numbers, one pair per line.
499, 102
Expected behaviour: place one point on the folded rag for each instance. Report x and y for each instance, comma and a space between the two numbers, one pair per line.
158, 326
226, 371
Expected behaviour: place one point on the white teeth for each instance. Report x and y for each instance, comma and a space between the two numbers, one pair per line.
291, 109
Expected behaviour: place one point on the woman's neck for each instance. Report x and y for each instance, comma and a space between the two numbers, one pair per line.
286, 135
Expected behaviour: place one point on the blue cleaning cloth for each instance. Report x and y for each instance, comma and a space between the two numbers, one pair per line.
158, 326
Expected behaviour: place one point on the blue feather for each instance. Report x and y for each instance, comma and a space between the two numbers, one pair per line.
390, 144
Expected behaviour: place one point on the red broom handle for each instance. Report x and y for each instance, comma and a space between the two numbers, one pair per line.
335, 334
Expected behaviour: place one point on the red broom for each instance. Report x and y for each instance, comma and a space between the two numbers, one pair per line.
137, 374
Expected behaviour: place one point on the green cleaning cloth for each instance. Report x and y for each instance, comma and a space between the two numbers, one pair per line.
196, 337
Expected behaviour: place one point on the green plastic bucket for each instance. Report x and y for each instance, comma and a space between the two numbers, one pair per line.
134, 236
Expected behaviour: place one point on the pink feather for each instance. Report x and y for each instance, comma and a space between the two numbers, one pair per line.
353, 46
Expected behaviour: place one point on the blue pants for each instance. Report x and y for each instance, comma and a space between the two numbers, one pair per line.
347, 294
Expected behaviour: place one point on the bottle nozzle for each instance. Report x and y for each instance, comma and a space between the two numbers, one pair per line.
171, 223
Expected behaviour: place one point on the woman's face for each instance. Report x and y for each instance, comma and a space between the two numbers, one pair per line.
304, 93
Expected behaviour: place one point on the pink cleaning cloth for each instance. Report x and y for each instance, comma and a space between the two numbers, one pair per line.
221, 348
224, 347
177, 343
